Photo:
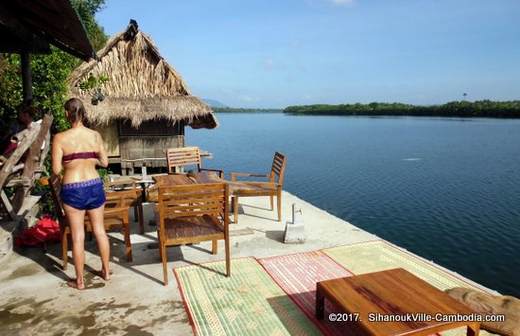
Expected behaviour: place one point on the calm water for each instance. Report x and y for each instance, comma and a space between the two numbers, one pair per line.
448, 190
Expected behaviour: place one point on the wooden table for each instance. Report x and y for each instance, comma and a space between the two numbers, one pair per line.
171, 180
143, 181
391, 294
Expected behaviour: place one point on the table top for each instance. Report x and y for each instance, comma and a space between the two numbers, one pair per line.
385, 294
143, 179
171, 180
235, 187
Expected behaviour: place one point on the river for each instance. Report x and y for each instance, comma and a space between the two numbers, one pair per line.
445, 189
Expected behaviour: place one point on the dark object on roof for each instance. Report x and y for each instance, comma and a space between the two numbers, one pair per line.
131, 30
30, 25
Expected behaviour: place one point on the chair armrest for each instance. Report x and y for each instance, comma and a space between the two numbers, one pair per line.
274, 185
219, 171
235, 175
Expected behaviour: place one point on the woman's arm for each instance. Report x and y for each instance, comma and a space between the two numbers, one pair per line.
57, 155
103, 157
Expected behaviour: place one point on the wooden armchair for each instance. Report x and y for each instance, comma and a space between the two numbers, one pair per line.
271, 188
116, 215
191, 214
186, 156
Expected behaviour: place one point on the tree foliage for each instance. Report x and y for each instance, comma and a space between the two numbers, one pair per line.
49, 72
481, 108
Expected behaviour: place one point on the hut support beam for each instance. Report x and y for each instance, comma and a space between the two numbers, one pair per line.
26, 77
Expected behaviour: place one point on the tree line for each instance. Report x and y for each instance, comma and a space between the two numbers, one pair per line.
481, 108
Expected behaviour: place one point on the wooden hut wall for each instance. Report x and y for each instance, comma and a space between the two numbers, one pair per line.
148, 143
110, 136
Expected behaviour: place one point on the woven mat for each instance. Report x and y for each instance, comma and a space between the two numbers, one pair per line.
378, 256
247, 303
298, 274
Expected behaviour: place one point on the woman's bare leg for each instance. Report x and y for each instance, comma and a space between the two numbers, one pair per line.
96, 217
77, 228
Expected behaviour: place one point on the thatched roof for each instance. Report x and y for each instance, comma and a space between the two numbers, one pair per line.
141, 85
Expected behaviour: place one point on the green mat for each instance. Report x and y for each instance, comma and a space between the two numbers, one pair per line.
378, 256
247, 303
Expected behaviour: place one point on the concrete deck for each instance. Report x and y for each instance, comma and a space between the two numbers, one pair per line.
34, 298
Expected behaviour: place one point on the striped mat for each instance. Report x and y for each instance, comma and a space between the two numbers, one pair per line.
298, 274
249, 302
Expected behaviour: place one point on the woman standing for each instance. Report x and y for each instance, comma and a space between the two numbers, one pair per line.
77, 152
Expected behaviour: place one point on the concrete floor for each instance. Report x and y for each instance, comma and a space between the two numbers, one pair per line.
34, 298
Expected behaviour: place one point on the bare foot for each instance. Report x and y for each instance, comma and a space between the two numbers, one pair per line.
75, 284
103, 274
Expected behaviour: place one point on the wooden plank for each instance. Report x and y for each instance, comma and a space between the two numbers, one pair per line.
34, 157
7, 205
26, 142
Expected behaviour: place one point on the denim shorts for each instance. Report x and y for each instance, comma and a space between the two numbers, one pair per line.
84, 195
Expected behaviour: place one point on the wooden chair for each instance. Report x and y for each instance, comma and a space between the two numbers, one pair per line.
192, 214
130, 184
116, 215
186, 156
251, 189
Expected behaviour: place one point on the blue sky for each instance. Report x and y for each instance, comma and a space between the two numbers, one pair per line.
267, 53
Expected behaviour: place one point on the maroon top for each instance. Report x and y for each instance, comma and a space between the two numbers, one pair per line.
80, 155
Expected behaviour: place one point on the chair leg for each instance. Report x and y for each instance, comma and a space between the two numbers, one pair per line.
140, 214
271, 201
64, 249
214, 246
128, 243
228, 256
160, 244
164, 259
279, 205
235, 209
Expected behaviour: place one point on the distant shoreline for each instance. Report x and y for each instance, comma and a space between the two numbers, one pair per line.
458, 109
244, 110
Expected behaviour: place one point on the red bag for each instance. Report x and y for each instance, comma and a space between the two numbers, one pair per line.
45, 230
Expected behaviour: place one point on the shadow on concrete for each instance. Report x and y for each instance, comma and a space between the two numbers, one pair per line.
261, 217
48, 256
275, 235
256, 207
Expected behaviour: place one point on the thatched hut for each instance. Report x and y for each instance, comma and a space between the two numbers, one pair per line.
146, 103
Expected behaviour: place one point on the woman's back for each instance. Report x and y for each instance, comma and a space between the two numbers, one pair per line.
75, 141
75, 153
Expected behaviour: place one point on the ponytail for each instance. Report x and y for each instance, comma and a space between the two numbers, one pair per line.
76, 110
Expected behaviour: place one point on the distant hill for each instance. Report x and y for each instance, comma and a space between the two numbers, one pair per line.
214, 103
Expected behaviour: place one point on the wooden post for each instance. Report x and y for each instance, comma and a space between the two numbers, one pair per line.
26, 77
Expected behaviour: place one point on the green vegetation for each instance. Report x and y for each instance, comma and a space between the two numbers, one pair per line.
49, 72
244, 110
49, 75
481, 108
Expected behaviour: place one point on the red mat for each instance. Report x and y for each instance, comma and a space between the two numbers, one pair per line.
297, 274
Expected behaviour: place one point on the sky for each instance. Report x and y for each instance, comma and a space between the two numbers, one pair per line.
275, 53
